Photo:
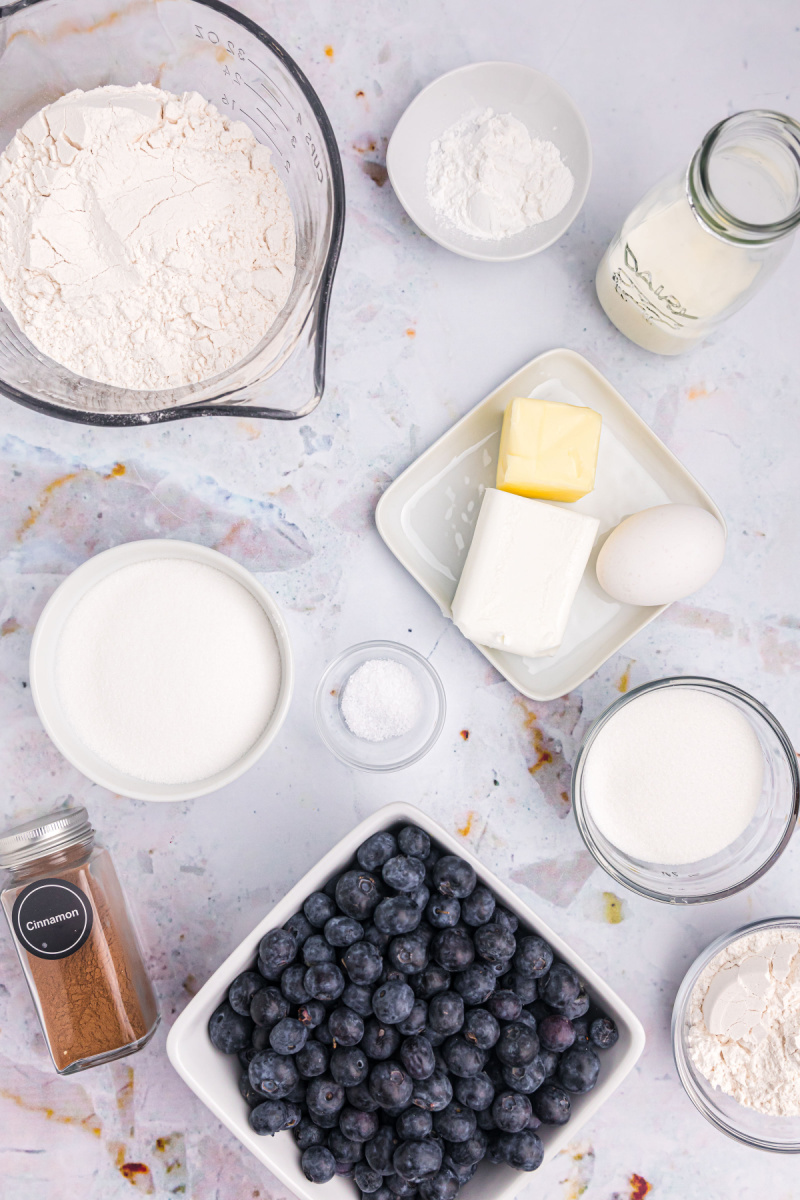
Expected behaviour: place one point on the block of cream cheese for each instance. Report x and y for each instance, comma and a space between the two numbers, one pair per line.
521, 574
548, 450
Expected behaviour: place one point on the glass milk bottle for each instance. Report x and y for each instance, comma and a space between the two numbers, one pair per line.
703, 241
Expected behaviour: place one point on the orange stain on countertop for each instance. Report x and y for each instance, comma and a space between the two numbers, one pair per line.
639, 1187
329, 51
48, 492
697, 393
624, 681
543, 755
69, 27
90, 1123
466, 829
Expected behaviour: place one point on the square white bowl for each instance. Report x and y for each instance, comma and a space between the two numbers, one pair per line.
427, 516
214, 1076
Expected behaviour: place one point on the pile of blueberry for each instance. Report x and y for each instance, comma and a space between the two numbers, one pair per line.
404, 1028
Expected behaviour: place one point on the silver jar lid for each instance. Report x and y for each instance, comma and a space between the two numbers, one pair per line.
54, 831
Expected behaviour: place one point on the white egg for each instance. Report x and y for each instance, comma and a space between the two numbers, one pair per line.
661, 554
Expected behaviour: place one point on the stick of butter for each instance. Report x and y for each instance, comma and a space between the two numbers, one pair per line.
548, 450
521, 574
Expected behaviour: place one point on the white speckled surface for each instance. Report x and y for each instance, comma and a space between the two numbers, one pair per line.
417, 337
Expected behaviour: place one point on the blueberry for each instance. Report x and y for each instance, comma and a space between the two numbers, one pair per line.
306, 1134
269, 1117
379, 1150
453, 948
549, 1061
342, 1148
318, 1164
494, 944
551, 1104
312, 1013
242, 990
349, 1065
249, 1093
276, 950
363, 963
325, 1098
357, 894
416, 1055
323, 1034
397, 1186
462, 1171
505, 1005
462, 1057
523, 1151
560, 986
481, 1028
297, 1097
485, 1119
402, 873
360, 1097
578, 1069
433, 1093
525, 1079
431, 980
229, 1031
478, 908
344, 1170
503, 917
299, 927
527, 1018
414, 1160
409, 952
274, 1075
343, 931
581, 1027
476, 1092
317, 950
556, 1033
376, 850
414, 841
420, 896
390, 1084
380, 1041
517, 1045
367, 1180
443, 912
446, 1012
396, 915
444, 1185
324, 982
358, 1125
578, 1007
260, 1040
288, 1036
376, 937
318, 909
475, 984
359, 998
292, 984
416, 1021
603, 1033
533, 957
472, 1150
452, 876
312, 1060
247, 1055
413, 1124
392, 1002
525, 986
511, 1111
455, 1123
346, 1026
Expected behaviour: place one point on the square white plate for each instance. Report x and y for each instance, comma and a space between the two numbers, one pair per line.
427, 516
213, 1076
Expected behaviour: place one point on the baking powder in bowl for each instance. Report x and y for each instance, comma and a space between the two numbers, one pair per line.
674, 776
168, 670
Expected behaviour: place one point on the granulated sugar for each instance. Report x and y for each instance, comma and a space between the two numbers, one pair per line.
169, 670
381, 700
674, 776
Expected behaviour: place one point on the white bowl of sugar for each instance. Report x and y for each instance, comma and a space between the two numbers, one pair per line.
161, 669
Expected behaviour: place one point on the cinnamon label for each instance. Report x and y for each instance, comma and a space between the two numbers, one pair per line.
52, 918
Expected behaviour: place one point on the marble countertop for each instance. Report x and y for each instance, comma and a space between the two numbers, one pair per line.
417, 336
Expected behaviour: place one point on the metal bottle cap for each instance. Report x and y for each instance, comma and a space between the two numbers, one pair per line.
54, 831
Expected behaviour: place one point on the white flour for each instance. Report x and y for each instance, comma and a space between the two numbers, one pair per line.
145, 240
487, 176
757, 1057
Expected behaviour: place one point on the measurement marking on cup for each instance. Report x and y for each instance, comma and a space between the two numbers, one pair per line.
261, 127
272, 110
273, 84
261, 112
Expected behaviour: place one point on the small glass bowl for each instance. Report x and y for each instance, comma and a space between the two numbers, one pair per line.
779, 1134
737, 865
394, 753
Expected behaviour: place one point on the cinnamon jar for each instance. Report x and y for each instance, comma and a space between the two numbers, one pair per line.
79, 952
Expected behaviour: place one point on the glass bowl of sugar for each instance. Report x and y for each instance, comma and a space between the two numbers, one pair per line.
686, 790
379, 706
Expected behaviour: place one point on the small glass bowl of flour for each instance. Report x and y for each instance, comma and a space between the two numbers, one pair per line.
686, 790
736, 1034
379, 706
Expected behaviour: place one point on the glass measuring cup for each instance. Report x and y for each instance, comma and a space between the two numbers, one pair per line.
49, 47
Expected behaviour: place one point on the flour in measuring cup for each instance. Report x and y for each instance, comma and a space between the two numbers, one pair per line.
146, 241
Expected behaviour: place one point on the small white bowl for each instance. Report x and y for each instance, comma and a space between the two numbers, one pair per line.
43, 668
536, 100
213, 1076
395, 753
